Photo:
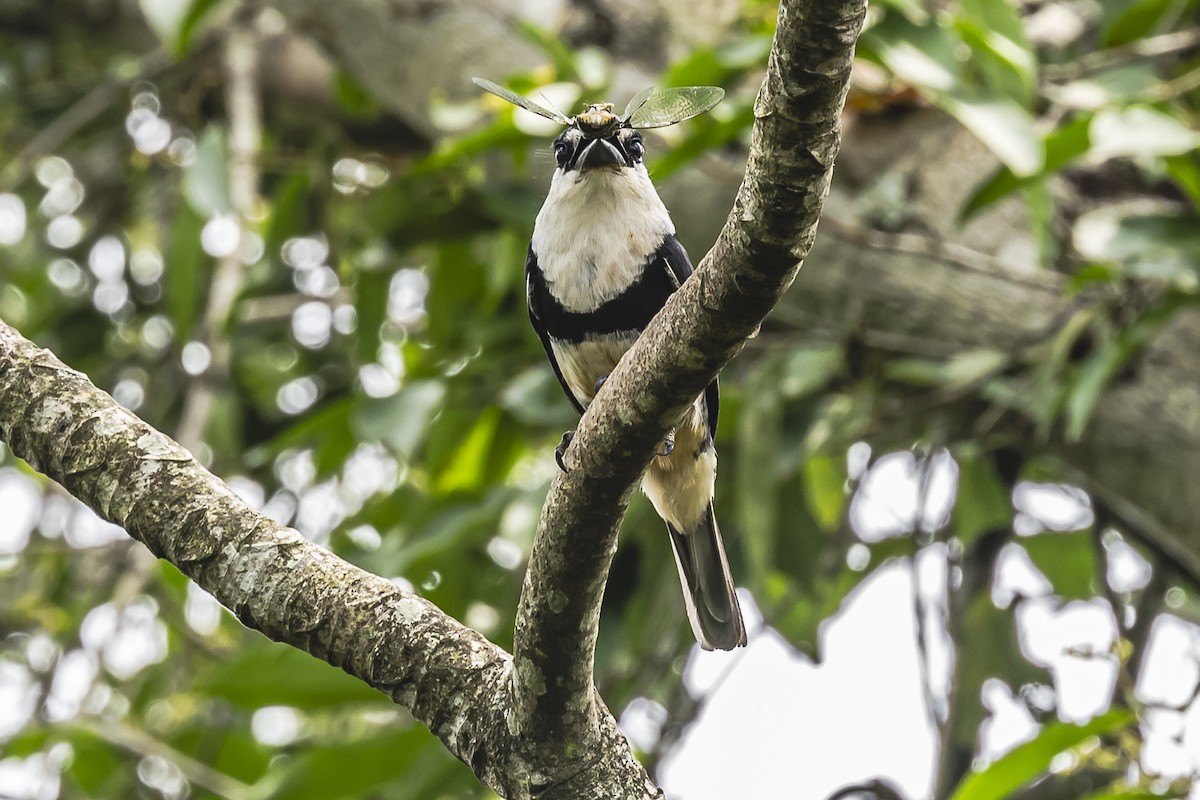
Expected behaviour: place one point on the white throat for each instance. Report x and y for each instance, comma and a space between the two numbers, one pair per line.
595, 232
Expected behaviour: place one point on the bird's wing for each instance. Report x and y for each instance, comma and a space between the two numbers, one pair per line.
535, 296
671, 251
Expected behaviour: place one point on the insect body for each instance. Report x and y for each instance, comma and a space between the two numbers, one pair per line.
648, 108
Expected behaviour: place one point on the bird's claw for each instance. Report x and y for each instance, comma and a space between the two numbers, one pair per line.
561, 449
668, 445
599, 382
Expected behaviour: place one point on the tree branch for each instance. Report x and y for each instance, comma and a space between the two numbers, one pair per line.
535, 727
755, 259
276, 581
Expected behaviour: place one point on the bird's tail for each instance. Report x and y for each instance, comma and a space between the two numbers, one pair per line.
708, 590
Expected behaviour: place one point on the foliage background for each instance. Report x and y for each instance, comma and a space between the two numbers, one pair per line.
321, 294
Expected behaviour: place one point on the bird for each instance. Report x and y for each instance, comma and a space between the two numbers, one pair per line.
603, 260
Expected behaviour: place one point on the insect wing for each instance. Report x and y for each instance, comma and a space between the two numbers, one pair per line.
523, 102
636, 103
675, 105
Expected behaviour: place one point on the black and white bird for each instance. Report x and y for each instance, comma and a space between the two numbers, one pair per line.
603, 260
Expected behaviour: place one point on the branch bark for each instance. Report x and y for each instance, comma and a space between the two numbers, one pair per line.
531, 725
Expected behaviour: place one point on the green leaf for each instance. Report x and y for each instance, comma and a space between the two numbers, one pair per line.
196, 13
165, 16
182, 278
808, 369
402, 420
983, 502
1005, 127
1063, 145
1134, 21
349, 769
1028, 761
996, 34
206, 179
756, 481
353, 98
271, 674
1104, 364
921, 55
825, 489
1163, 247
1109, 87
288, 217
1112, 793
1139, 131
466, 470
1068, 560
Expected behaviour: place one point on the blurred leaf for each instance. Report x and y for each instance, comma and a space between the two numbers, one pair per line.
353, 98
913, 10
535, 398
466, 470
808, 369
1161, 247
825, 489
799, 612
350, 769
1063, 145
288, 217
983, 502
1141, 132
920, 55
271, 674
1027, 761
182, 278
206, 179
959, 372
996, 34
197, 11
987, 646
328, 431
95, 765
760, 425
1109, 87
1134, 20
1130, 794
402, 420
165, 16
1068, 560
1006, 128
1103, 365
1184, 170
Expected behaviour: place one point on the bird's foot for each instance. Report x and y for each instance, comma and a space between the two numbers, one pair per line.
561, 449
599, 382
668, 444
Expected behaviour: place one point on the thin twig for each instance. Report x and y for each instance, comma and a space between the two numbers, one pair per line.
140, 743
243, 108
1164, 44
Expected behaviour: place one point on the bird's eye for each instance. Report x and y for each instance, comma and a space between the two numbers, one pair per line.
560, 152
636, 149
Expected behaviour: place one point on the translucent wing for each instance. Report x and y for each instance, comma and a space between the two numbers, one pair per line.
523, 102
636, 103
675, 105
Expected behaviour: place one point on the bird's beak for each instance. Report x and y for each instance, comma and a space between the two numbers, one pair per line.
600, 153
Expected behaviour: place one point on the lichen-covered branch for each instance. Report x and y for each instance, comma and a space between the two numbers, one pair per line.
767, 235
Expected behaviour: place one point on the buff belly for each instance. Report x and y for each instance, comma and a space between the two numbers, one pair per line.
679, 485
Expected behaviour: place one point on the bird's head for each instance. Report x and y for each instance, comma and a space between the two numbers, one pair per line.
576, 151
